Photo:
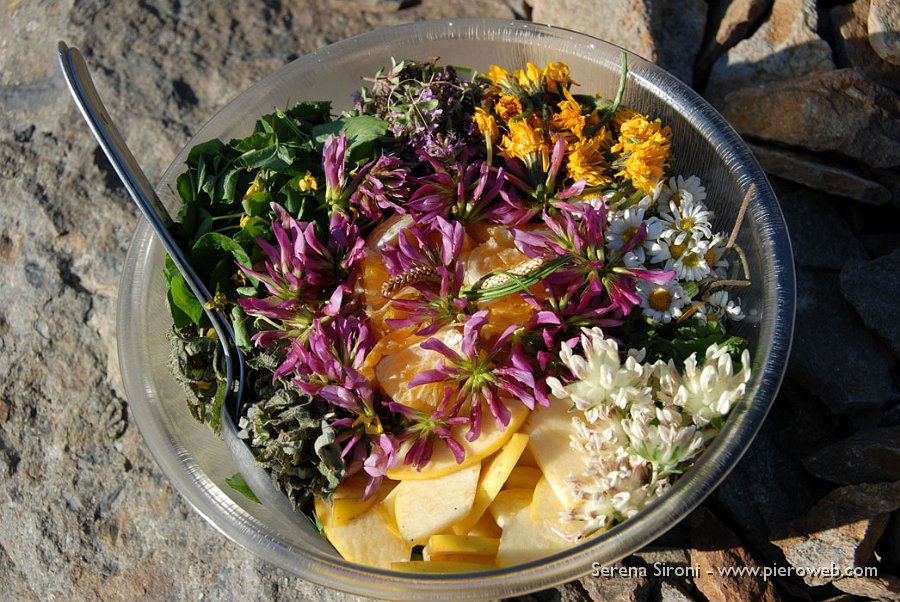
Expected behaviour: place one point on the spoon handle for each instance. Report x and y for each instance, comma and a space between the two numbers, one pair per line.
81, 85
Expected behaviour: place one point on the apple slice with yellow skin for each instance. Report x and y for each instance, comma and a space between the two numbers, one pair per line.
494, 473
550, 431
365, 539
524, 539
432, 566
425, 507
461, 545
442, 462
347, 501
508, 503
485, 527
387, 510
523, 477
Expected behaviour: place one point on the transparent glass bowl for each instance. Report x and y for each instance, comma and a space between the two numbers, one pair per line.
197, 462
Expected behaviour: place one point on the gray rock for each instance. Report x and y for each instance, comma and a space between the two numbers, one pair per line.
714, 546
730, 23
802, 422
838, 111
672, 592
863, 284
820, 236
623, 584
785, 46
884, 587
819, 173
884, 29
889, 545
833, 355
766, 488
852, 44
867, 456
666, 33
841, 531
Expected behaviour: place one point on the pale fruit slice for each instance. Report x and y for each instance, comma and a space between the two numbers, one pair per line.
485, 527
387, 510
523, 477
365, 539
494, 473
508, 503
549, 431
524, 539
443, 546
425, 507
347, 501
442, 462
431, 566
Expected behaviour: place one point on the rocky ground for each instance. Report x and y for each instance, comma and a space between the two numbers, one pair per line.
813, 86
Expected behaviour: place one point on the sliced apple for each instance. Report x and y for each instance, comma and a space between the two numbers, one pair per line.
442, 462
460, 545
425, 507
365, 539
387, 510
524, 539
494, 473
508, 503
347, 501
523, 477
549, 431
431, 566
485, 527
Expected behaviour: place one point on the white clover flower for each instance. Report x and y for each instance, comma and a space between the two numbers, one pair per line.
709, 392
600, 376
679, 189
661, 302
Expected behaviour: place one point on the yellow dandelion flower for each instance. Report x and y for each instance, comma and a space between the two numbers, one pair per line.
557, 77
525, 142
508, 107
622, 115
569, 117
486, 123
529, 79
585, 160
499, 77
645, 145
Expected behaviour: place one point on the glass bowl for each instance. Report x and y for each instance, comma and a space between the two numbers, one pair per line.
197, 462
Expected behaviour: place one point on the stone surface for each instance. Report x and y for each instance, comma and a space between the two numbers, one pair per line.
885, 587
868, 456
714, 547
863, 284
820, 236
665, 33
729, 22
838, 112
820, 173
844, 363
841, 530
671, 592
852, 45
884, 29
785, 46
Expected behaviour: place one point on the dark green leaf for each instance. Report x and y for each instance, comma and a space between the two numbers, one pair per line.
182, 298
210, 247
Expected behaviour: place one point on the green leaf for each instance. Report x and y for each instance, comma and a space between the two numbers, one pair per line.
256, 204
210, 247
310, 113
181, 297
359, 129
239, 325
276, 156
239, 484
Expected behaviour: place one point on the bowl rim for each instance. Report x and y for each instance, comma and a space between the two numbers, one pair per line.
220, 511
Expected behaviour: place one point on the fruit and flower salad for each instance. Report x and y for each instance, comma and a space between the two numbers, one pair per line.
483, 316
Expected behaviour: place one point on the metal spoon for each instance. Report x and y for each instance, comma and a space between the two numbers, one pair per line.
81, 86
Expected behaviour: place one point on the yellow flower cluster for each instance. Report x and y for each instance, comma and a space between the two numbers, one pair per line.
527, 110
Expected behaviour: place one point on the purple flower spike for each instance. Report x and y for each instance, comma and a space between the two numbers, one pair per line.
333, 158
380, 184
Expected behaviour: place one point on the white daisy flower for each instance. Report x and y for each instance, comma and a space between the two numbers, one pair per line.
708, 392
680, 189
719, 306
691, 264
689, 220
715, 259
661, 302
624, 226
